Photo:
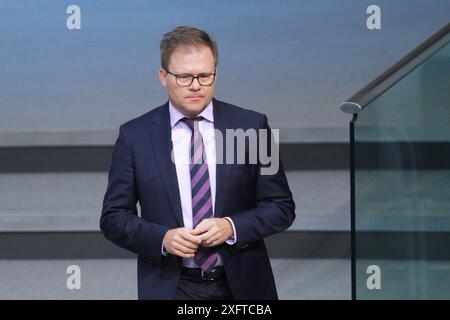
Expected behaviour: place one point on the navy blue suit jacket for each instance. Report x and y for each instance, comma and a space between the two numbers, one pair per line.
142, 171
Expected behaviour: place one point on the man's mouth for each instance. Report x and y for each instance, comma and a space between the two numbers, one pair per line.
195, 98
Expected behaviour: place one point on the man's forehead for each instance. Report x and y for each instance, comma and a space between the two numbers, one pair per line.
187, 59
191, 49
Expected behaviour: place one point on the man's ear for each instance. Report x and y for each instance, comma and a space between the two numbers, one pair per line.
163, 77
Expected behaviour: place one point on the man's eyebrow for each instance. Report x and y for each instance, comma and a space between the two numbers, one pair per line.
192, 74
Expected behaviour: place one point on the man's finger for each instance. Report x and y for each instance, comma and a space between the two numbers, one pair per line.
213, 240
183, 255
192, 243
188, 244
189, 237
183, 249
207, 235
202, 227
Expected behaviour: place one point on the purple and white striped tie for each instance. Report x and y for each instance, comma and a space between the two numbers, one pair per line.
205, 258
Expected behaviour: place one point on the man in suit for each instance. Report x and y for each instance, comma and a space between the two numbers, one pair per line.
203, 219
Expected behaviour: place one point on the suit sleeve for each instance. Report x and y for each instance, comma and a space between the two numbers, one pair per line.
119, 221
275, 208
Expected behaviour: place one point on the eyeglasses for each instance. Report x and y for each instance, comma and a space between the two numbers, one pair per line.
185, 80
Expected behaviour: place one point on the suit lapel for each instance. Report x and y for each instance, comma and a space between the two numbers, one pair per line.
221, 120
160, 135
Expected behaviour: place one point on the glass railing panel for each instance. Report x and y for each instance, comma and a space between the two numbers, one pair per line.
402, 187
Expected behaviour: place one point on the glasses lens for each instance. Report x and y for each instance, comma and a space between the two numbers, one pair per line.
184, 80
206, 79
203, 79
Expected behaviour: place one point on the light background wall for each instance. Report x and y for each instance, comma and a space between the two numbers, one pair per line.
293, 60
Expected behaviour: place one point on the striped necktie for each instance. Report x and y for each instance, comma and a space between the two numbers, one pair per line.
205, 258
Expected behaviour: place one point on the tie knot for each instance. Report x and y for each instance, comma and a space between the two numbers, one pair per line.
192, 122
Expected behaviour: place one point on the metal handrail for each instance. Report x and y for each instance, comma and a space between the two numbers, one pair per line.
388, 78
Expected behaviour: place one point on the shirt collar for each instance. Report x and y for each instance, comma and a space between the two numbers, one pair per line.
176, 115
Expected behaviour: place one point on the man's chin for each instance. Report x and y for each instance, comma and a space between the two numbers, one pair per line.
195, 108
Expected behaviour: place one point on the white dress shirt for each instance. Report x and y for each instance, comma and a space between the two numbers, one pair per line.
181, 140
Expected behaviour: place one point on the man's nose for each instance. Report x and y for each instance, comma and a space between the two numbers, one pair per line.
195, 85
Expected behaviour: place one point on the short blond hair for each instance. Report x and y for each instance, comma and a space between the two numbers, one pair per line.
184, 36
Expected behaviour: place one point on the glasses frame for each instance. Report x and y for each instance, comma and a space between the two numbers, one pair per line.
193, 78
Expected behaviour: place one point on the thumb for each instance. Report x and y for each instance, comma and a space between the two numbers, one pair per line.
201, 228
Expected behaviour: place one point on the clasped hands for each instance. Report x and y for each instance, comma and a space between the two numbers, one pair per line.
184, 242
